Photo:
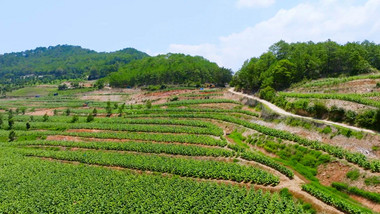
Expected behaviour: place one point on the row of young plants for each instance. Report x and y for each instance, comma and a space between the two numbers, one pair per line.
357, 98
144, 147
192, 102
375, 197
179, 166
21, 135
119, 120
335, 81
32, 185
168, 110
340, 203
356, 158
255, 156
177, 138
202, 95
120, 127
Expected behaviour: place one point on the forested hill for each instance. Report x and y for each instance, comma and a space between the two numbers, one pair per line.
62, 62
170, 69
285, 64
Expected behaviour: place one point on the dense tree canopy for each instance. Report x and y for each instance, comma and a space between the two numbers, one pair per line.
62, 62
170, 69
285, 63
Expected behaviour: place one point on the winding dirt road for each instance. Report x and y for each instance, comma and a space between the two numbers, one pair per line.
285, 113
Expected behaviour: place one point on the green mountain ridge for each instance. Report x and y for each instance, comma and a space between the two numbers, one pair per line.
62, 62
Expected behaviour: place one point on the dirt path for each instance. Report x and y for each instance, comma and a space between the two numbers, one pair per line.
285, 113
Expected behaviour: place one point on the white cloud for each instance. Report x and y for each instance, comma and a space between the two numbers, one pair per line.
340, 21
254, 3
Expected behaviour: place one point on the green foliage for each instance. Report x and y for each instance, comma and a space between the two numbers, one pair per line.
94, 112
334, 200
90, 118
268, 93
145, 147
62, 62
62, 87
178, 166
12, 136
68, 111
170, 69
326, 130
45, 118
353, 174
148, 104
372, 181
285, 64
375, 197
268, 162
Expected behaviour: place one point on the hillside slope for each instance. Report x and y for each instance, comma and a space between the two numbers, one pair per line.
62, 62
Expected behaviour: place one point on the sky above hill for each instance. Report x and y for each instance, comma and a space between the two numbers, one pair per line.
224, 31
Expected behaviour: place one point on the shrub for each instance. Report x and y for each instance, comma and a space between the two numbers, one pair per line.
326, 130
336, 114
367, 119
319, 110
74, 119
148, 104
350, 117
45, 117
90, 118
12, 136
353, 174
372, 181
267, 93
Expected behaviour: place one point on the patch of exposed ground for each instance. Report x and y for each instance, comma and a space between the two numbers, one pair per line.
43, 111
332, 172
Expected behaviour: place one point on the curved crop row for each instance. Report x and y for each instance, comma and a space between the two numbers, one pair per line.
268, 162
331, 199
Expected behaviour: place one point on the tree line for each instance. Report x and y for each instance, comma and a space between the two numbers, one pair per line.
178, 69
287, 63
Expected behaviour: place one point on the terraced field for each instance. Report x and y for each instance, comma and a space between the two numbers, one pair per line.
202, 151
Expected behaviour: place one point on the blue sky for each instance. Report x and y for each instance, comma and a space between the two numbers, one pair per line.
225, 31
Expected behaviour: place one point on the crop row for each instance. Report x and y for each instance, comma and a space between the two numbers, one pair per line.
120, 120
375, 197
178, 166
356, 158
169, 110
180, 138
202, 95
145, 147
357, 98
121, 127
192, 102
335, 81
254, 156
331, 199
